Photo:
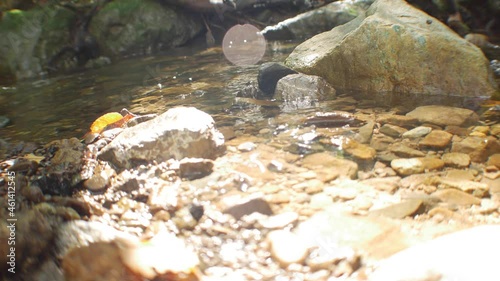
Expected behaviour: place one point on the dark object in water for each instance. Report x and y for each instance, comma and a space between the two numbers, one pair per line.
332, 119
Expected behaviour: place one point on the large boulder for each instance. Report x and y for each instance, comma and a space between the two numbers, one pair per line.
176, 134
126, 26
396, 48
30, 39
308, 24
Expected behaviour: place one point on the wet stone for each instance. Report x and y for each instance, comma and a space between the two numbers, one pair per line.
247, 146
381, 142
358, 151
269, 75
434, 114
365, 132
392, 130
4, 121
456, 159
436, 139
417, 132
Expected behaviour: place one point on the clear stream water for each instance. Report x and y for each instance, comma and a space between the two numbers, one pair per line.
65, 106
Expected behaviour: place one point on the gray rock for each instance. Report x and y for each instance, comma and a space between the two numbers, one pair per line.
365, 55
298, 91
434, 114
459, 256
4, 121
269, 75
178, 133
32, 38
126, 26
417, 132
249, 206
308, 24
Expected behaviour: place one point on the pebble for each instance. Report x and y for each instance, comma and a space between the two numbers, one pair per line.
398, 120
494, 160
279, 221
392, 130
402, 150
406, 167
281, 248
247, 146
417, 132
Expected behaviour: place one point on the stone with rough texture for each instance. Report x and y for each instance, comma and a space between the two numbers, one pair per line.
459, 256
178, 133
436, 139
358, 150
402, 150
298, 91
269, 75
434, 114
378, 51
125, 26
478, 148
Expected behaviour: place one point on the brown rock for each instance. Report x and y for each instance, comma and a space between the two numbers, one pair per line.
456, 159
453, 196
358, 150
401, 210
343, 167
494, 160
444, 115
398, 120
402, 150
381, 142
436, 139
195, 168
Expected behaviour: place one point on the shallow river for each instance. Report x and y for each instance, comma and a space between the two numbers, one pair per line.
65, 106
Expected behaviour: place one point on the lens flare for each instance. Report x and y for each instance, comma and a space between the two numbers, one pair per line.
244, 45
